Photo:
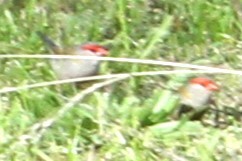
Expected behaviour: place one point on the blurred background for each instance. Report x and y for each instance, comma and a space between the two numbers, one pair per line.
114, 125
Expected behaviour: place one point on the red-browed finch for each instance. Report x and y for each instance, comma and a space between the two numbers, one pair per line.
196, 96
74, 68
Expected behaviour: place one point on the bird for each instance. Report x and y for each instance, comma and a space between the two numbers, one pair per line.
74, 68
196, 96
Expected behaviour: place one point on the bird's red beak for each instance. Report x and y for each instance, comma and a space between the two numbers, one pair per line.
212, 87
102, 52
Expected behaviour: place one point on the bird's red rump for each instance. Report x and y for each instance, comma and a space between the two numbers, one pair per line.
100, 50
207, 83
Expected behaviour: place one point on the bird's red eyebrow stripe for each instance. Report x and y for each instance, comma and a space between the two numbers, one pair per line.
207, 83
93, 47
96, 48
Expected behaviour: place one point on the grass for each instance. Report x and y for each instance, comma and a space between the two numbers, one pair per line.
132, 122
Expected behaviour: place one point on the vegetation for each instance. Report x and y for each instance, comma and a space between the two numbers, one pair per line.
46, 123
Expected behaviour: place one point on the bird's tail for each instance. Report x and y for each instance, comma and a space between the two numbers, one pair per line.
49, 43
